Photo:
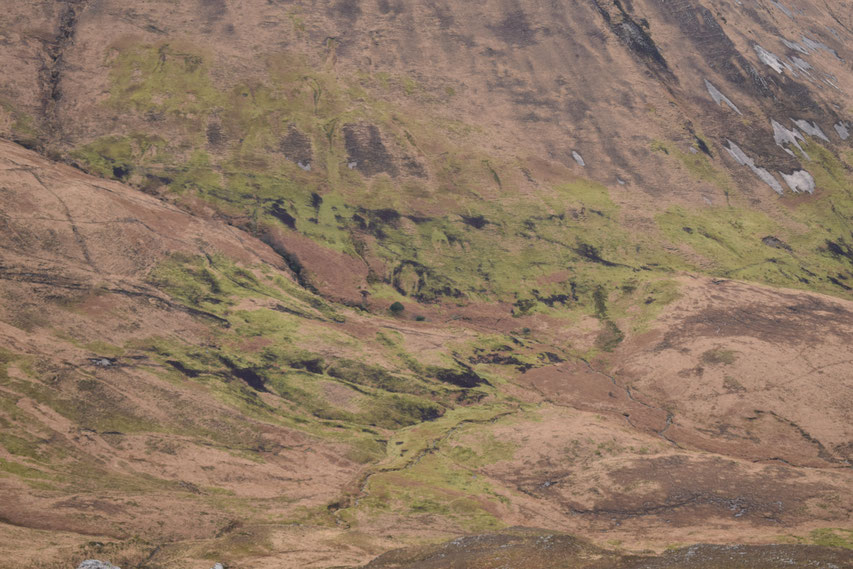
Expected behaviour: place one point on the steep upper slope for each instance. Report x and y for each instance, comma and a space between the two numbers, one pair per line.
403, 139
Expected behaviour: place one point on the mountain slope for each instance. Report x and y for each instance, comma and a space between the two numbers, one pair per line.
403, 137
616, 237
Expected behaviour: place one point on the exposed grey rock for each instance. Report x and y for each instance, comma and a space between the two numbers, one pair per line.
719, 98
799, 181
795, 46
218, 566
811, 128
784, 136
802, 64
843, 132
578, 158
762, 173
95, 564
816, 45
785, 10
770, 59
831, 80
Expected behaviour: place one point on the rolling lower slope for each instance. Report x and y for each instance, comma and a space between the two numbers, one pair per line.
171, 394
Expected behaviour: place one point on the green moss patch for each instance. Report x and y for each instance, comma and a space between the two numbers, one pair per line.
832, 537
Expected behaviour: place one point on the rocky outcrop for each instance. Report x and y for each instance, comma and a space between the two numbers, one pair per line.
96, 564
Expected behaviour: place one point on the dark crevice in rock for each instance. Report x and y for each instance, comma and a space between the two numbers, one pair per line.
373, 220
497, 358
189, 372
429, 285
475, 221
50, 75
465, 377
591, 253
278, 210
292, 261
702, 146
634, 35
252, 378
840, 249
553, 299
775, 242
838, 283
312, 365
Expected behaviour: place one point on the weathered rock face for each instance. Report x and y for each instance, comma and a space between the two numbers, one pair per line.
366, 151
296, 146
